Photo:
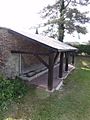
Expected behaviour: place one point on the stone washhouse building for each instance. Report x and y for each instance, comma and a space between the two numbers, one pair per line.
34, 57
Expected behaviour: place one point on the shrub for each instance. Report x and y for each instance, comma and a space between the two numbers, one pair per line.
83, 49
10, 90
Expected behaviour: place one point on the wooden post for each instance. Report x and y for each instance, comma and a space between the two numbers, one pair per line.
20, 63
50, 72
61, 65
72, 58
66, 61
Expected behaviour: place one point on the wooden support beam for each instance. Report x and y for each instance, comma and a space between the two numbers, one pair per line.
42, 61
50, 71
66, 61
73, 58
56, 56
32, 53
61, 65
20, 63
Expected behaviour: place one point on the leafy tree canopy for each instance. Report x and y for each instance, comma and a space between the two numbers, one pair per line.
65, 16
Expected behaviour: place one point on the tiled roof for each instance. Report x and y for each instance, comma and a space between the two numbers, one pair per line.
50, 42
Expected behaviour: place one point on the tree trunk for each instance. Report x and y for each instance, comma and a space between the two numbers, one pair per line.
61, 24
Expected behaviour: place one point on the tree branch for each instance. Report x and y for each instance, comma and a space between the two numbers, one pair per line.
67, 4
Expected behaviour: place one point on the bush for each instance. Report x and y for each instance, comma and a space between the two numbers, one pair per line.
11, 90
83, 49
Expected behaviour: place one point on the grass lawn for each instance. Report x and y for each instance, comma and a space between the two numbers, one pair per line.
70, 103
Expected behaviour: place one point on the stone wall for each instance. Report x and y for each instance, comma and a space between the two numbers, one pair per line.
7, 67
10, 65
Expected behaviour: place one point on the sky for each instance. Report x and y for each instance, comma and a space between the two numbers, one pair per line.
23, 14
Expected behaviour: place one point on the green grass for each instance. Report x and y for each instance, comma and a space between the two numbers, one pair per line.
72, 103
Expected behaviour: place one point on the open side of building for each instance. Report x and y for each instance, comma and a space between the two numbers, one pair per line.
22, 53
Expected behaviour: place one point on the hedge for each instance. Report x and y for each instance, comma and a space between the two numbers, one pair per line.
83, 49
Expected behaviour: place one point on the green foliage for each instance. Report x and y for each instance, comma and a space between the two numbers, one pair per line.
10, 90
72, 102
84, 49
65, 15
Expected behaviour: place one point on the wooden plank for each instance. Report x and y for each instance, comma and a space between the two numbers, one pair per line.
50, 72
33, 53
66, 61
61, 65
42, 61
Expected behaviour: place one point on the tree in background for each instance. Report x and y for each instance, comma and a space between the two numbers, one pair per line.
88, 42
65, 16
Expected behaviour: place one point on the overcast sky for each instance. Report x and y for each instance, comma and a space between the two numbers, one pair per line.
23, 13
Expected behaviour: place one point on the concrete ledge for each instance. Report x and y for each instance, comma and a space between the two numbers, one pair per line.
40, 79
59, 85
36, 75
68, 72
